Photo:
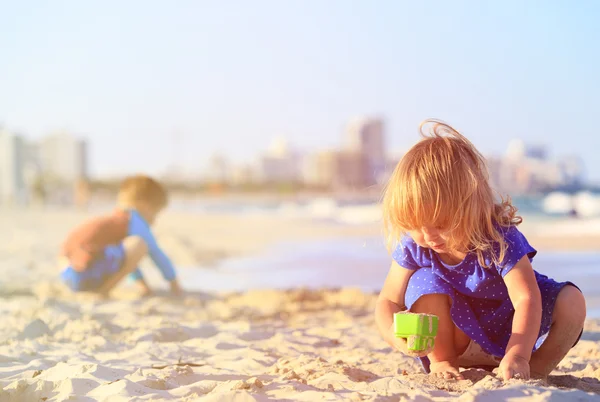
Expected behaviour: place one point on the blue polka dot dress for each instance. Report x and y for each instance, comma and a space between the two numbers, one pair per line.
481, 307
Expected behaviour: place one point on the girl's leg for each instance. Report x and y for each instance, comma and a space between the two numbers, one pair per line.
450, 341
135, 249
567, 322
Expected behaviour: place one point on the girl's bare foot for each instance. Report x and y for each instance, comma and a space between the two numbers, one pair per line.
447, 370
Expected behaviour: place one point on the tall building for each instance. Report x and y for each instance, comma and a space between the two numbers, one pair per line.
63, 157
13, 187
366, 135
352, 171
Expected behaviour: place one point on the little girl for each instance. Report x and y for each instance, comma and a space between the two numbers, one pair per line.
459, 255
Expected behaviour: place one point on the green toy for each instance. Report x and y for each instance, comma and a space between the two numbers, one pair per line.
418, 329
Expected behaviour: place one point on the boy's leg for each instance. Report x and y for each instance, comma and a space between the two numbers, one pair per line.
450, 341
567, 322
135, 249
62, 262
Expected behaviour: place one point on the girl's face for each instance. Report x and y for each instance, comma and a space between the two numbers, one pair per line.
432, 237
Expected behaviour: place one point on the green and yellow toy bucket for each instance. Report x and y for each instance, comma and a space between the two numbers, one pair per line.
419, 330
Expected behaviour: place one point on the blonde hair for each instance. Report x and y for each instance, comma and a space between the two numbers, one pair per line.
138, 189
443, 181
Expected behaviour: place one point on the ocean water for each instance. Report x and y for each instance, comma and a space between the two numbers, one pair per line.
361, 263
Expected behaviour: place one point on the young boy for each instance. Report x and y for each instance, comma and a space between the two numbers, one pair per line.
99, 253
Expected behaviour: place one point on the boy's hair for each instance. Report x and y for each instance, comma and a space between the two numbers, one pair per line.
141, 189
442, 181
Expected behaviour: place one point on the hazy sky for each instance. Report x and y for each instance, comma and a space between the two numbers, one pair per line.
230, 76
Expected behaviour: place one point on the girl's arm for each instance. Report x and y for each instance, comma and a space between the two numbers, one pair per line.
525, 296
391, 299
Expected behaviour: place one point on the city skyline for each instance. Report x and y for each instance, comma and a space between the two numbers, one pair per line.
57, 165
278, 147
217, 78
362, 162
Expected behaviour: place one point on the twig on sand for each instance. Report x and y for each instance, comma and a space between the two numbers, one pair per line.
179, 363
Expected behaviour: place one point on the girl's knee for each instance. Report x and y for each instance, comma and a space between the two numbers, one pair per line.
570, 307
432, 303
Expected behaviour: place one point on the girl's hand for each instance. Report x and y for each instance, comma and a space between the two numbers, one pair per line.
401, 345
514, 366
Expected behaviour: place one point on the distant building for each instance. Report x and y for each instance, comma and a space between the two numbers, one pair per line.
280, 164
279, 148
539, 152
13, 187
527, 169
366, 135
278, 170
243, 174
338, 170
317, 169
64, 158
519, 150
572, 171
218, 169
494, 167
352, 171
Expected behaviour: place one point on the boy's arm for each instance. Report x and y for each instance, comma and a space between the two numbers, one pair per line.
164, 264
162, 261
391, 299
525, 296
138, 227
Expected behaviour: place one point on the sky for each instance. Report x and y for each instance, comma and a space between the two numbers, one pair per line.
152, 84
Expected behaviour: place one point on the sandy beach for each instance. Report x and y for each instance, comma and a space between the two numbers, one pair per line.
258, 345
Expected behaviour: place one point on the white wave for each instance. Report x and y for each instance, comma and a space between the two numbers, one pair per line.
584, 203
557, 203
290, 210
587, 204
